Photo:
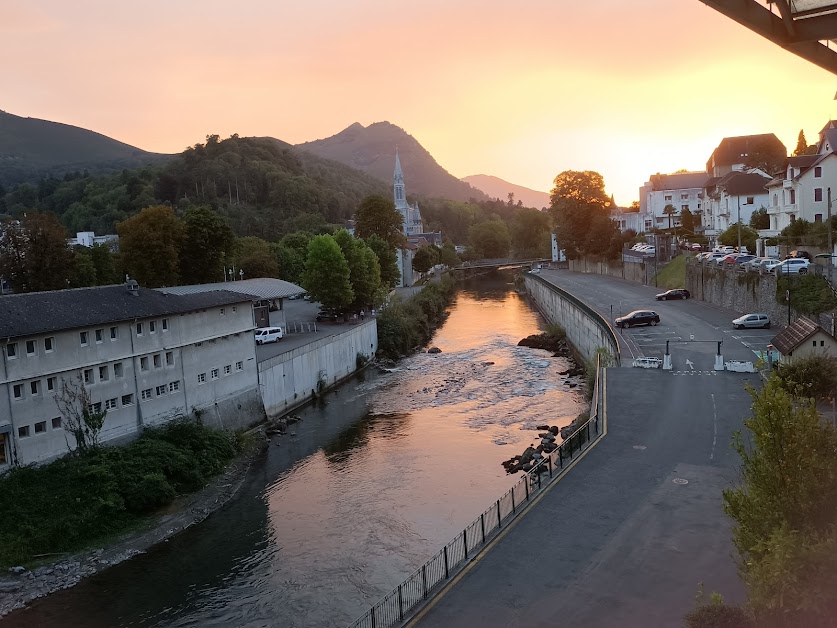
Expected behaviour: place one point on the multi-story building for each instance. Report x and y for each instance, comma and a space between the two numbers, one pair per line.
681, 190
740, 153
142, 355
733, 198
801, 191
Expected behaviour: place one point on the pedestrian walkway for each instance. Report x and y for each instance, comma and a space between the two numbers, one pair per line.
627, 536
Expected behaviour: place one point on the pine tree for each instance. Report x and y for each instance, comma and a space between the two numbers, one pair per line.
801, 144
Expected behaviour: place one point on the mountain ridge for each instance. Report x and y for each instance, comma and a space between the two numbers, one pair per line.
495, 187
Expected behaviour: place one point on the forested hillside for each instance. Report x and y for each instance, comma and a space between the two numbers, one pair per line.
31, 149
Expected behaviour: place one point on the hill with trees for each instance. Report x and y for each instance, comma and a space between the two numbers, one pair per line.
495, 187
372, 150
31, 149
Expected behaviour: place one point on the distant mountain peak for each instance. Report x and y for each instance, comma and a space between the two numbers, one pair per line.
495, 187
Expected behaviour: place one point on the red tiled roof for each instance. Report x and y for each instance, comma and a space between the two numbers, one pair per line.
794, 335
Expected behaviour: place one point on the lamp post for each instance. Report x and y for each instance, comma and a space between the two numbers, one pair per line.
739, 222
787, 298
830, 243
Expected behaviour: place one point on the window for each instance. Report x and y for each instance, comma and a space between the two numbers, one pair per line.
3, 458
165, 323
227, 369
56, 423
152, 327
822, 343
88, 376
100, 335
174, 386
40, 427
23, 431
11, 350
234, 309
817, 172
684, 207
817, 217
95, 408
214, 374
82, 336
127, 400
793, 217
158, 362
146, 394
35, 387
668, 197
117, 369
161, 390
17, 391
110, 404
103, 373
750, 200
49, 344
222, 312
144, 364
139, 329
30, 347
775, 200
684, 197
815, 343
817, 194
50, 383
239, 366
114, 333
169, 358
792, 194
201, 378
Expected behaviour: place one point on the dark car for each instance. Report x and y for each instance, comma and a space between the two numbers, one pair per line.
638, 317
799, 255
328, 315
678, 293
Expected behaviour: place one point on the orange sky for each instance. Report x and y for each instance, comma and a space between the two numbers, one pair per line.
520, 90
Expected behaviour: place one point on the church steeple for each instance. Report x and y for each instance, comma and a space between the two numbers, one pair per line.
399, 194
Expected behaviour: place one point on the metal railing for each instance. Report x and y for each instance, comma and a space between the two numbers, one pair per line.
300, 327
398, 604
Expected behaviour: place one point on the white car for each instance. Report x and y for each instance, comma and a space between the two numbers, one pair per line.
268, 334
792, 266
751, 321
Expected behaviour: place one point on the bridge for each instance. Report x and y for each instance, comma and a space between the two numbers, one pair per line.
498, 264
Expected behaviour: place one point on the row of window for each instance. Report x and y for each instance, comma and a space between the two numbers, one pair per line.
24, 431
159, 391
216, 373
152, 327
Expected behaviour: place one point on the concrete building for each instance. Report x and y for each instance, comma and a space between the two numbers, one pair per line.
681, 190
143, 355
801, 191
89, 238
733, 198
626, 220
803, 338
738, 153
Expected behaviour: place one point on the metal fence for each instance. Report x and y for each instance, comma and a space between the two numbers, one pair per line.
397, 605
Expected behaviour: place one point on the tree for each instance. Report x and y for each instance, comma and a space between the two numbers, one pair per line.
801, 144
425, 258
530, 233
511, 199
84, 271
207, 240
364, 270
669, 211
448, 256
768, 155
326, 275
107, 271
377, 215
149, 243
387, 260
34, 254
255, 258
812, 377
785, 510
687, 220
490, 239
748, 237
575, 199
80, 417
760, 219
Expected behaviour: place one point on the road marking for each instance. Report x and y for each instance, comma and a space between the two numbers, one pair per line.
690, 364
714, 428
680, 481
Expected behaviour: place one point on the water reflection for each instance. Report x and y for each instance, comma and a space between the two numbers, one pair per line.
374, 480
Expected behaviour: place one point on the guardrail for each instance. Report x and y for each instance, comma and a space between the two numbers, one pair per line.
397, 605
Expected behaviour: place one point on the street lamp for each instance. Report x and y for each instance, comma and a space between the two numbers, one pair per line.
739, 222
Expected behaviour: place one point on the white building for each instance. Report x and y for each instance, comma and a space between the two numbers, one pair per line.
410, 213
144, 356
733, 198
801, 192
89, 238
626, 220
681, 190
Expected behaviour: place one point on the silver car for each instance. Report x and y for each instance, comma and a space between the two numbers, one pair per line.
751, 321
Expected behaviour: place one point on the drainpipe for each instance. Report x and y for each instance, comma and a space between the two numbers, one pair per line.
13, 433
131, 329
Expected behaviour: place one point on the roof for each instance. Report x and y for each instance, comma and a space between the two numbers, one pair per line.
802, 161
743, 183
735, 150
34, 313
678, 181
795, 334
261, 288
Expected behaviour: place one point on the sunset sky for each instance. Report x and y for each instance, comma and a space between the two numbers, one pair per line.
520, 90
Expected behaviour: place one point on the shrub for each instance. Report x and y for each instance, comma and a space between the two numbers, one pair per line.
718, 615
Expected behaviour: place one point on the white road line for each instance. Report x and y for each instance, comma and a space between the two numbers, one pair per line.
714, 428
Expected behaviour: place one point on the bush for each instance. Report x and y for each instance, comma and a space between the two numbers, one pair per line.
809, 294
718, 615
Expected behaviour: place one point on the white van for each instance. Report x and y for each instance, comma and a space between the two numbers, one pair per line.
268, 334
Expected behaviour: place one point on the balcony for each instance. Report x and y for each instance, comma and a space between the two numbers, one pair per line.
787, 184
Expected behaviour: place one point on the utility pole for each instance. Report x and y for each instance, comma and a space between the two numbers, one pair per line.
830, 243
739, 223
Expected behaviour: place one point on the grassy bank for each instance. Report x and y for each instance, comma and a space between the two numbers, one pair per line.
673, 275
403, 326
78, 500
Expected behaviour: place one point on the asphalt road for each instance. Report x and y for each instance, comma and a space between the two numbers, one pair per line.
627, 536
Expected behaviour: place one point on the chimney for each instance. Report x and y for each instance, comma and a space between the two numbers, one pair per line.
132, 286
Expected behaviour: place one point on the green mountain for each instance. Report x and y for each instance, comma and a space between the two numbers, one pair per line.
372, 150
31, 149
496, 187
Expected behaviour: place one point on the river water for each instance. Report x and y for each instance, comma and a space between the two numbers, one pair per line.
374, 480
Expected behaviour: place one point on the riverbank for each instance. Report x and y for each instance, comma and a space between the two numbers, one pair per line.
54, 571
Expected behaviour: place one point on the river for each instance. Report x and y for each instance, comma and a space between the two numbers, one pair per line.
373, 481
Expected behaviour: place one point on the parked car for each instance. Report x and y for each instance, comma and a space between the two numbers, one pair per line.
729, 258
792, 266
695, 246
799, 255
743, 259
758, 263
751, 321
638, 317
327, 315
268, 334
727, 249
714, 257
678, 293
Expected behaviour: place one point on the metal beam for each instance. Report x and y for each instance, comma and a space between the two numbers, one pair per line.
804, 43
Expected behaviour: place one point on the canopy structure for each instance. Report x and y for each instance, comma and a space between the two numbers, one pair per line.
807, 28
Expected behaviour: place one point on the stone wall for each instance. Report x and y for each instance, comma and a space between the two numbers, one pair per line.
639, 272
741, 292
586, 329
290, 379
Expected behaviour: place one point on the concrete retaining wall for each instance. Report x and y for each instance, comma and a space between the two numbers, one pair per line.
290, 379
586, 329
639, 272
